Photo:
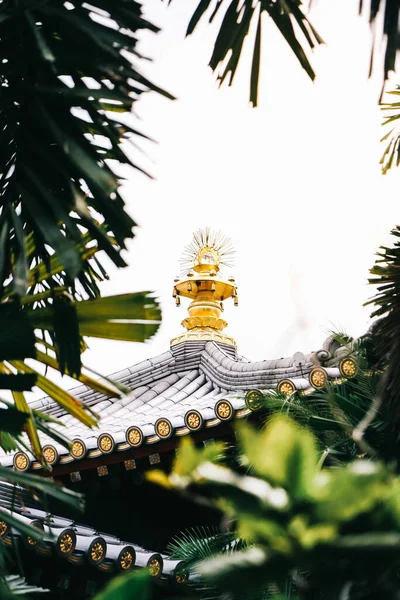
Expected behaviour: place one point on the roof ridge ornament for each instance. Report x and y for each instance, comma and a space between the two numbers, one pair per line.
207, 251
201, 281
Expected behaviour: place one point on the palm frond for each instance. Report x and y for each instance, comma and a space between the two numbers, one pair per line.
241, 19
201, 543
386, 331
391, 13
238, 19
66, 74
63, 321
334, 412
391, 154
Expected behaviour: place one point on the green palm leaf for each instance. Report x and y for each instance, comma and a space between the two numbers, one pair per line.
63, 74
130, 317
200, 543
386, 331
390, 30
237, 18
391, 154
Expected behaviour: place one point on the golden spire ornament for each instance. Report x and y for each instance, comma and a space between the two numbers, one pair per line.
202, 282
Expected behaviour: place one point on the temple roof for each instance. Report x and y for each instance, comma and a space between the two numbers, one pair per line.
79, 544
193, 385
199, 383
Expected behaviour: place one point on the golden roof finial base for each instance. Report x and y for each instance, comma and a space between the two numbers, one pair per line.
200, 334
204, 323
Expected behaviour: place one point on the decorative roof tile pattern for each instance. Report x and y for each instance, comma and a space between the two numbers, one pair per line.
195, 384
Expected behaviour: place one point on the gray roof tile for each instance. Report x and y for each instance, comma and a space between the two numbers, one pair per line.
142, 366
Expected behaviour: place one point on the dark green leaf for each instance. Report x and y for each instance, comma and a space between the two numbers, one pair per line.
17, 340
12, 421
18, 382
136, 584
67, 338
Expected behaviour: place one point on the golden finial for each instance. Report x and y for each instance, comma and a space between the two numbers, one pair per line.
208, 251
201, 282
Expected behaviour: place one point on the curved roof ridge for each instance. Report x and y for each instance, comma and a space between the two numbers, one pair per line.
236, 374
217, 352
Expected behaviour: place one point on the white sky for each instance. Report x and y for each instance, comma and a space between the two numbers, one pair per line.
295, 183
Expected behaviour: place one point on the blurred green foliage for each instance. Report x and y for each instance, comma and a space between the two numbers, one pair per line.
325, 531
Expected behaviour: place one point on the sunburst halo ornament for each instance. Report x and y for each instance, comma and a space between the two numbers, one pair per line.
208, 247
